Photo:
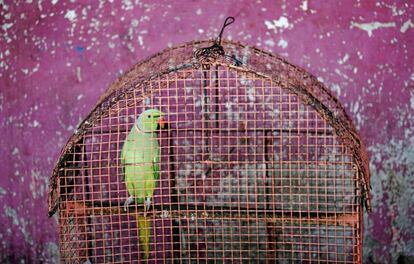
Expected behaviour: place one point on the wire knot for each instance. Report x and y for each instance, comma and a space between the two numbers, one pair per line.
208, 55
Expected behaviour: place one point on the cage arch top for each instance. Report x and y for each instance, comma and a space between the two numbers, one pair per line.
283, 74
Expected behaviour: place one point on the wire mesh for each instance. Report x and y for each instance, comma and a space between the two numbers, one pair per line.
249, 173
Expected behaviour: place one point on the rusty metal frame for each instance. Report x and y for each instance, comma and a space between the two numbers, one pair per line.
256, 63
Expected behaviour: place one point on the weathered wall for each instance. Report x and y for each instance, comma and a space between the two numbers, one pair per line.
57, 57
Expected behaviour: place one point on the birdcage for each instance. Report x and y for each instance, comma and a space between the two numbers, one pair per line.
259, 163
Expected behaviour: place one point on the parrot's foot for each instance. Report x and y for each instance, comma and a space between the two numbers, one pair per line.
128, 201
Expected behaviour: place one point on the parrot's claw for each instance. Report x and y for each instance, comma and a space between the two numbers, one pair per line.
128, 201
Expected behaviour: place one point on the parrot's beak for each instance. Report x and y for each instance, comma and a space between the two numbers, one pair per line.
161, 123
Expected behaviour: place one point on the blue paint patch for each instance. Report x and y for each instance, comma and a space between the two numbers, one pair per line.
80, 49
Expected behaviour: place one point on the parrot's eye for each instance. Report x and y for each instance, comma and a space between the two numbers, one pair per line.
149, 116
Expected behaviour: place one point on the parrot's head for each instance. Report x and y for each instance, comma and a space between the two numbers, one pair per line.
151, 120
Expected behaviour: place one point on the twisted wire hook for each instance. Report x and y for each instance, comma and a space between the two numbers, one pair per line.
210, 54
229, 20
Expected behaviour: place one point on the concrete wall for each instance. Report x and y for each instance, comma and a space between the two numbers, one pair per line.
57, 57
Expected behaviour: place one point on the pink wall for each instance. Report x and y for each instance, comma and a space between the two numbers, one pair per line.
57, 57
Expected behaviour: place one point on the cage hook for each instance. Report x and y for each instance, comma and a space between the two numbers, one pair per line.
208, 55
229, 20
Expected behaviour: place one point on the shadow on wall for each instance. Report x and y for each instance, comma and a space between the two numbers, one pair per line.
405, 259
401, 260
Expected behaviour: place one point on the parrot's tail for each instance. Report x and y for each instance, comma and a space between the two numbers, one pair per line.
144, 230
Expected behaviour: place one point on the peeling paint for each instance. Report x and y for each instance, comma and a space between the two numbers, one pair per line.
412, 99
270, 42
304, 5
370, 27
47, 85
344, 59
389, 183
2, 191
71, 15
283, 44
281, 23
407, 25
78, 74
19, 222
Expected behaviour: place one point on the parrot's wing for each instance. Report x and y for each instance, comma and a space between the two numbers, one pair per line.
123, 153
156, 165
129, 183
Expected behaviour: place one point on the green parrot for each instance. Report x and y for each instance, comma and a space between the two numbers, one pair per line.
140, 158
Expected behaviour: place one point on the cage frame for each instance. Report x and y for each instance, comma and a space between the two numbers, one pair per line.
296, 81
